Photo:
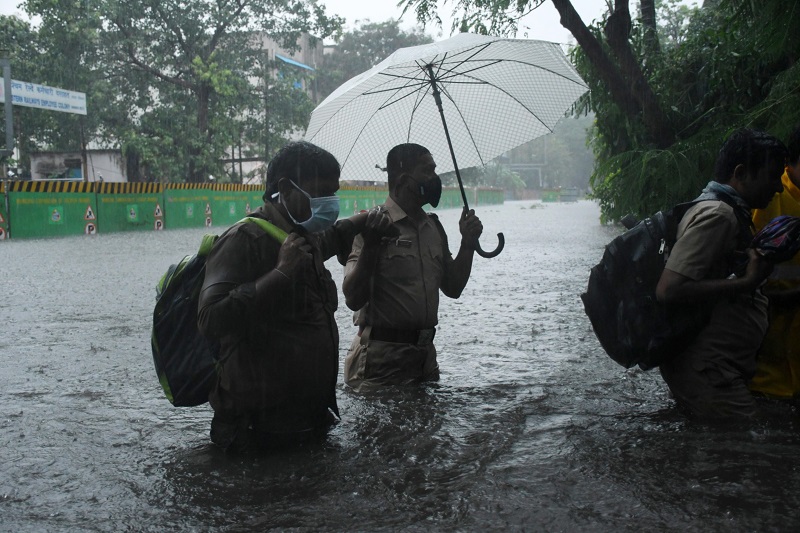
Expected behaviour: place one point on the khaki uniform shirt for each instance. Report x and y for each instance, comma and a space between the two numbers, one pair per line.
707, 238
404, 292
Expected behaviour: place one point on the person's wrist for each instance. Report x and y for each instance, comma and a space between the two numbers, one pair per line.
284, 271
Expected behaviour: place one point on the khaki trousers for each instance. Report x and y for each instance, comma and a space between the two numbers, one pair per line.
370, 362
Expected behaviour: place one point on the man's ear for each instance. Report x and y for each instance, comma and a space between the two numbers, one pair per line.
740, 173
284, 186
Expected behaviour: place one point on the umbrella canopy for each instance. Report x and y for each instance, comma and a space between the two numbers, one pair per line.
779, 240
496, 94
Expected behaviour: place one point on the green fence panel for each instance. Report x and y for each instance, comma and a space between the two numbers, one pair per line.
187, 208
51, 209
3, 212
129, 207
486, 196
550, 195
451, 198
352, 200
230, 205
198, 205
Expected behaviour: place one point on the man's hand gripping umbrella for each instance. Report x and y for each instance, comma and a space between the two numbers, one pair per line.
438, 99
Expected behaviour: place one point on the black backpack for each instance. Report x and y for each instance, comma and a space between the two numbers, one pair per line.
186, 362
620, 301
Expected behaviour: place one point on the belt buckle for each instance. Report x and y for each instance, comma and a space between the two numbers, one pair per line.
426, 336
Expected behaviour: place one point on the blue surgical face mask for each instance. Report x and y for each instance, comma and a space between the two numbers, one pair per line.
324, 211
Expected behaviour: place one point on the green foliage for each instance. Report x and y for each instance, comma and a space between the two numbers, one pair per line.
17, 39
559, 159
362, 48
728, 71
488, 17
673, 22
492, 175
175, 84
729, 64
502, 177
202, 62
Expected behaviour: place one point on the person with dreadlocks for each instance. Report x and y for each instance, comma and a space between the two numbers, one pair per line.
393, 284
709, 379
269, 301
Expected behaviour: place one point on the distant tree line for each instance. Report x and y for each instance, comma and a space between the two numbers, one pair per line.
177, 86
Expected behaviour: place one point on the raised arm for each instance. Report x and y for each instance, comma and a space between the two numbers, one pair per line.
458, 271
674, 287
364, 258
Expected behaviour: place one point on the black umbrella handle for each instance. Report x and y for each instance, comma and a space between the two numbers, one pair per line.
493, 253
438, 99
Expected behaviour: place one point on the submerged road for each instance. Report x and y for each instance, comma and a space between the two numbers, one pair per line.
531, 428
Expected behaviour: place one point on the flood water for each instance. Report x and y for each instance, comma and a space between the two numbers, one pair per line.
531, 428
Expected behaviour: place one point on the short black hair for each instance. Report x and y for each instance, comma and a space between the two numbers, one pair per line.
793, 145
403, 157
298, 160
749, 147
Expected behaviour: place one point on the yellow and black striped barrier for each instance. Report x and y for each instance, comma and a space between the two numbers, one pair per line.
37, 209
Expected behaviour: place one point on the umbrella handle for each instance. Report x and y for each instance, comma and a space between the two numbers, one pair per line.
495, 252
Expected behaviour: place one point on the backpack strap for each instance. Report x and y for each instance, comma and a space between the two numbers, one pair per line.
206, 244
269, 228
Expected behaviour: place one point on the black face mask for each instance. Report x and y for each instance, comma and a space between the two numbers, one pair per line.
431, 191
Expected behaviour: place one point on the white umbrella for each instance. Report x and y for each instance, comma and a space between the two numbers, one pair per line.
486, 94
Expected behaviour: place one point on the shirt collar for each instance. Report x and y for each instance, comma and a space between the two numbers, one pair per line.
397, 214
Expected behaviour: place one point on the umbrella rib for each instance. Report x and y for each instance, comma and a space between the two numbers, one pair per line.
511, 96
477, 50
382, 106
364, 126
466, 126
391, 101
420, 97
491, 62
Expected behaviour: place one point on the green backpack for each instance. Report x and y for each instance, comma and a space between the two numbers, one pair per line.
186, 362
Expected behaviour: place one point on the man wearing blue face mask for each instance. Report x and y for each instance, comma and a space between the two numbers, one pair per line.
270, 303
393, 283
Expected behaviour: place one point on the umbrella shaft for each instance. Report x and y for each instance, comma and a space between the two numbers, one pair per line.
438, 99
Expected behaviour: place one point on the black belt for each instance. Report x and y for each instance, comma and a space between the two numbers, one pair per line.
403, 336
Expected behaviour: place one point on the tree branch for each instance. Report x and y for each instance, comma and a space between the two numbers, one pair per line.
617, 31
648, 10
606, 69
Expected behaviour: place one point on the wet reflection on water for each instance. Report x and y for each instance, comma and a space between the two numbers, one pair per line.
531, 426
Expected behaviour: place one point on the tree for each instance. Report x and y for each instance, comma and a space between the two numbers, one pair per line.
362, 48
174, 84
558, 159
16, 39
198, 57
664, 105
